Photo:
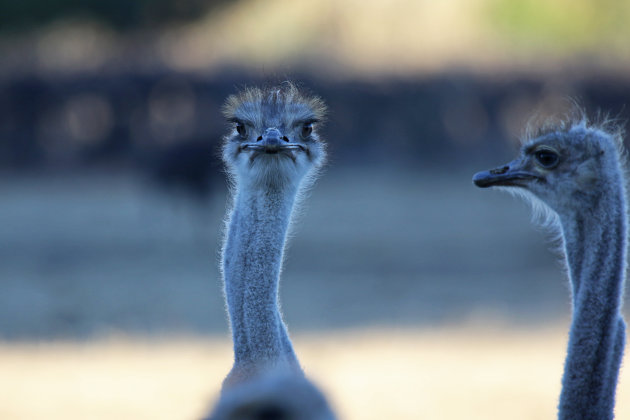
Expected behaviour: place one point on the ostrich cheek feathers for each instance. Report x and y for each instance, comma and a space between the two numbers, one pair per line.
586, 175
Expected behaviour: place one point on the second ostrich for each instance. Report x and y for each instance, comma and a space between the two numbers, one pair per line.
272, 154
577, 170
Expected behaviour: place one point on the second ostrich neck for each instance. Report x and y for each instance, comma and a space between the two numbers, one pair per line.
253, 256
595, 243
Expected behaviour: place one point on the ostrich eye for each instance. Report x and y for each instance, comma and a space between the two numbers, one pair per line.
241, 129
307, 129
546, 158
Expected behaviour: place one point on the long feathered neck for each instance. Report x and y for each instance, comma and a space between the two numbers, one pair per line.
595, 246
252, 259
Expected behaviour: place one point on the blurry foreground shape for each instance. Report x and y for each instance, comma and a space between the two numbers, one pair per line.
273, 397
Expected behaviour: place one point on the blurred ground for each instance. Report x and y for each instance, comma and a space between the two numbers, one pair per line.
410, 295
92, 254
473, 372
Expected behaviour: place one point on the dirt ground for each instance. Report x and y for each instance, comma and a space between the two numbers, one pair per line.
470, 372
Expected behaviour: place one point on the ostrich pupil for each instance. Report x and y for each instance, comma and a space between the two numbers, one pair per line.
546, 158
307, 129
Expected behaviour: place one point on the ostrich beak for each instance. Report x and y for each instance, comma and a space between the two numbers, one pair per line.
271, 142
512, 174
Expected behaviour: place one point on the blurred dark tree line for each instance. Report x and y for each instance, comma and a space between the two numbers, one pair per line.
168, 125
18, 15
130, 119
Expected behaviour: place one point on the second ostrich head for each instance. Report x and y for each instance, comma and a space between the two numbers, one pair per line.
568, 166
577, 170
274, 142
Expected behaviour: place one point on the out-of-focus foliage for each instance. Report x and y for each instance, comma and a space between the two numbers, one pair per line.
562, 24
121, 14
391, 37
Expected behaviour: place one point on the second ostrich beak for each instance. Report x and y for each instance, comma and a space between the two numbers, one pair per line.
512, 174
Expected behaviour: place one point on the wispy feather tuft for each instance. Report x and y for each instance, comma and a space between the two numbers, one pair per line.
281, 95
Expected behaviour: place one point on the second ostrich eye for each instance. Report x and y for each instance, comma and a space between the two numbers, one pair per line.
241, 129
547, 158
307, 129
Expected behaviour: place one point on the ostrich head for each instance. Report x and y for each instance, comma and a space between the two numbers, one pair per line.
568, 165
274, 138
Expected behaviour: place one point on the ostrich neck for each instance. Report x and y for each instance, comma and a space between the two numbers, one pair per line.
596, 255
252, 260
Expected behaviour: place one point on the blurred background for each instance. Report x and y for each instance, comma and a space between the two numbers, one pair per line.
409, 293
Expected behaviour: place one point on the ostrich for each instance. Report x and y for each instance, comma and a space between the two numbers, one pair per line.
272, 155
575, 170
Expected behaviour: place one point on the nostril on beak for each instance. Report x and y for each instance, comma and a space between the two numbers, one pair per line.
500, 171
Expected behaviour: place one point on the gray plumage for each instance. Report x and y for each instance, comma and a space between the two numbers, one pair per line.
577, 170
272, 154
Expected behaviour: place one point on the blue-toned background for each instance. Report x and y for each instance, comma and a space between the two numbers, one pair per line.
405, 287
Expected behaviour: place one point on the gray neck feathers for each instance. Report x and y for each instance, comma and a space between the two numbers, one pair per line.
252, 261
595, 243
